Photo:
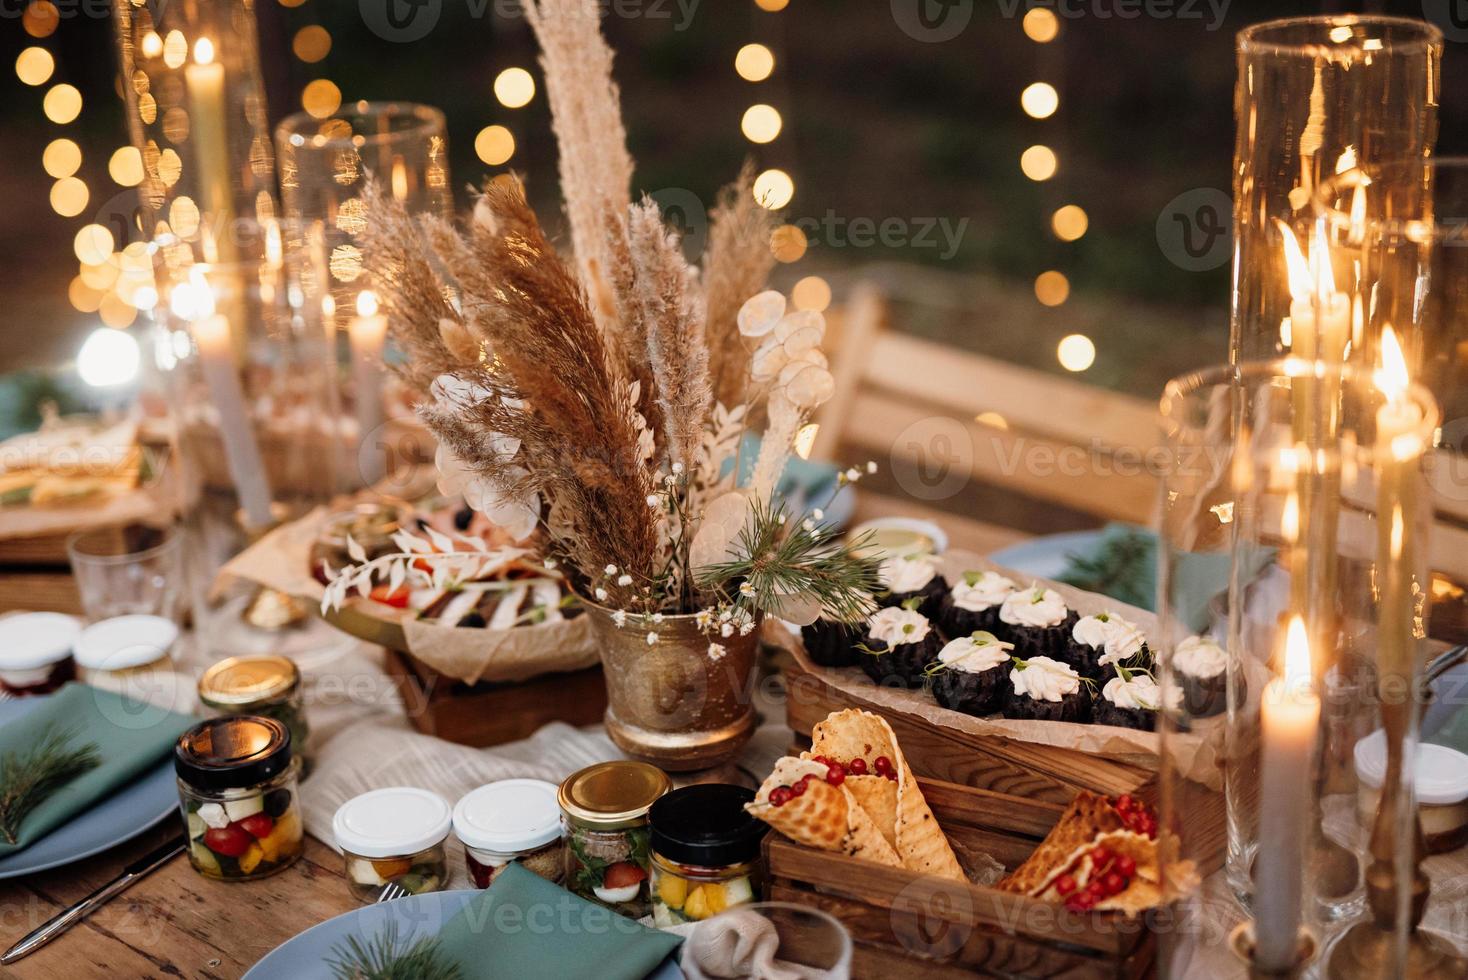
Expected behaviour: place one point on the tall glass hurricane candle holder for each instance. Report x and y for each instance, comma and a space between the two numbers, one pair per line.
1316, 96
326, 164
245, 398
1287, 689
196, 114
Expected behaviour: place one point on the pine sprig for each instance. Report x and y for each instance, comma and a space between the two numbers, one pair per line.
29, 776
384, 958
1119, 567
779, 560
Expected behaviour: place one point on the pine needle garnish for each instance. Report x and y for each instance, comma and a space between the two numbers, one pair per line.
29, 776
384, 958
1120, 568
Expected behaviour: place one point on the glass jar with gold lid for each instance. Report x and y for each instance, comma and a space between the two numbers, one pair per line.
608, 851
267, 686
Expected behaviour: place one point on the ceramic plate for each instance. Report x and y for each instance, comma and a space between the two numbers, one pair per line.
1046, 557
304, 957
121, 817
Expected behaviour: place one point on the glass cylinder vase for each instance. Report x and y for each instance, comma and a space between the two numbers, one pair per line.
196, 114
1316, 96
326, 164
1290, 688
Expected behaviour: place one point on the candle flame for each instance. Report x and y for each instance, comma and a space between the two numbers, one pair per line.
1347, 159
1310, 276
1295, 263
366, 303
1358, 213
1398, 532
1297, 666
1289, 522
1323, 276
204, 51
1392, 377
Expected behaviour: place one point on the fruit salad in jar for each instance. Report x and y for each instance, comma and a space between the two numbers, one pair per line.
608, 846
393, 836
705, 853
507, 822
238, 795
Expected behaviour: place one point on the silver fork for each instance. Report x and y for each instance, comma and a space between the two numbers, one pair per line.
390, 891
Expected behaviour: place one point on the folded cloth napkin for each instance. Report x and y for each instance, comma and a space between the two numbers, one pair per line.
524, 926
739, 944
131, 738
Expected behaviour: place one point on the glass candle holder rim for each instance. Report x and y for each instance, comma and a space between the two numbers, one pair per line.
1255, 38
172, 540
293, 130
1184, 387
1418, 231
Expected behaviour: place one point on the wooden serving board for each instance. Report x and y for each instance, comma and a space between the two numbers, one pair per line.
908, 925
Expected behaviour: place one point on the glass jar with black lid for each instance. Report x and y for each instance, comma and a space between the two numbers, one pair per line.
238, 796
705, 853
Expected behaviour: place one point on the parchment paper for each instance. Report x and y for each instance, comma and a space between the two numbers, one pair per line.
1198, 753
281, 560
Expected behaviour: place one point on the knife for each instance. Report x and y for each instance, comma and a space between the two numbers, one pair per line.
67, 918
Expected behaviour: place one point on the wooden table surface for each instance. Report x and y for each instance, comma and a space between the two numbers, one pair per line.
175, 923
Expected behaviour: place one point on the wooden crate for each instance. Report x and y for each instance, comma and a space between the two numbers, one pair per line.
908, 925
491, 714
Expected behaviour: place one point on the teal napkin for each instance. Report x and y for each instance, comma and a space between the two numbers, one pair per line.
131, 737
524, 926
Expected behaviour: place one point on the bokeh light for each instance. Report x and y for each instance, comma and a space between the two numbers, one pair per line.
126, 166
116, 311
62, 104
1076, 352
1041, 25
761, 123
69, 197
311, 43
175, 49
754, 62
152, 45
514, 87
993, 420
321, 98
34, 66
84, 299
1039, 100
773, 6
812, 293
61, 158
774, 189
494, 145
40, 18
93, 245
1039, 162
107, 358
788, 244
1070, 222
1052, 288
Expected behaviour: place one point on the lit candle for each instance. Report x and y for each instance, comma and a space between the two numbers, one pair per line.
1399, 448
1290, 716
209, 134
367, 332
241, 452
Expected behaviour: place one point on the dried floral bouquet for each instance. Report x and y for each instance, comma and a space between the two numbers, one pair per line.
602, 403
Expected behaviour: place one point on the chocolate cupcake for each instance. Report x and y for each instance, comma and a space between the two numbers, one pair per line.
1098, 642
1038, 623
832, 644
900, 643
1042, 689
972, 674
1201, 668
972, 605
1128, 700
913, 577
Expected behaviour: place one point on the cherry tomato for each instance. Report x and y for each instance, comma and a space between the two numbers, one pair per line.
231, 841
257, 825
397, 599
622, 874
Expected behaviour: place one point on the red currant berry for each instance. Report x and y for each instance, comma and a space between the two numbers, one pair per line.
798, 788
1095, 890
1100, 855
1124, 802
882, 764
1113, 883
780, 795
836, 775
1065, 884
1126, 866
857, 767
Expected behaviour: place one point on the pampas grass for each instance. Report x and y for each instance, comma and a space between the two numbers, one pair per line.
736, 266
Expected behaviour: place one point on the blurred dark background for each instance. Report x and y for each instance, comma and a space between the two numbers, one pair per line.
878, 124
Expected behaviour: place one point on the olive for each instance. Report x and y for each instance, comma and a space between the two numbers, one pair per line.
277, 801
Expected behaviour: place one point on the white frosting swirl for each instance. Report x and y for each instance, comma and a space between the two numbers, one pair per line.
896, 626
1091, 631
975, 654
1138, 692
980, 591
908, 573
1200, 656
1035, 606
1044, 679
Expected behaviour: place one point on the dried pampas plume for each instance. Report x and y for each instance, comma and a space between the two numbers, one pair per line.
736, 266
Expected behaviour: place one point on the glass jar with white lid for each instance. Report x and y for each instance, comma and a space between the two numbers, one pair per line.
117, 652
393, 835
507, 821
36, 652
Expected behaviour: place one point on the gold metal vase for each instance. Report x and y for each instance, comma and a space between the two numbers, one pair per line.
672, 702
